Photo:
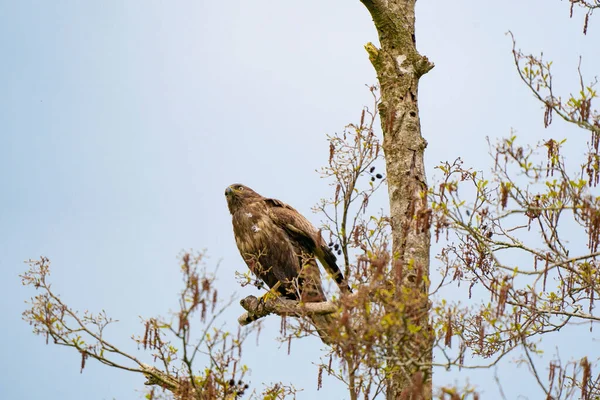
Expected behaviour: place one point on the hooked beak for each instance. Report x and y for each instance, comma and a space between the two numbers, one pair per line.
228, 191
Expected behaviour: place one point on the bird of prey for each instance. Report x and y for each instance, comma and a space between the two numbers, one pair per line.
280, 247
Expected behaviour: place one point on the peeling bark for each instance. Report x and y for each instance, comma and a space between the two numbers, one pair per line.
399, 67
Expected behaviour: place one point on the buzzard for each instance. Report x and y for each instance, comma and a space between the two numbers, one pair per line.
280, 247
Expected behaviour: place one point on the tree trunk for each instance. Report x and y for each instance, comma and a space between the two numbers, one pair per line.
399, 67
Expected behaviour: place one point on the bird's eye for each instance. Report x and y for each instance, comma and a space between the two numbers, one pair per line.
240, 188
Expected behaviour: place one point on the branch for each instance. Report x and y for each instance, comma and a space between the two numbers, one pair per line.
154, 376
257, 309
52, 318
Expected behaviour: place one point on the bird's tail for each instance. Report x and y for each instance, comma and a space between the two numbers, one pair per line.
324, 325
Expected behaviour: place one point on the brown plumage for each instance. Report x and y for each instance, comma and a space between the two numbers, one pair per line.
279, 245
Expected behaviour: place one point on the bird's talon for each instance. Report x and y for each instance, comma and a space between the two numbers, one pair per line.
271, 294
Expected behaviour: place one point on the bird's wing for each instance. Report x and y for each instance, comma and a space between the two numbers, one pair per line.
306, 236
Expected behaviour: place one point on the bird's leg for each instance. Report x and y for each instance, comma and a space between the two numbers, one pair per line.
271, 294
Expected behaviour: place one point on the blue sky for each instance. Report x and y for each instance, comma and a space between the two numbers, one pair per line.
121, 124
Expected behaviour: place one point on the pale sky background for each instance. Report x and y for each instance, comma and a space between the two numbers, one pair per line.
122, 122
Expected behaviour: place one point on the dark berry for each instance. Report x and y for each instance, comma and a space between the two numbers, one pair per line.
339, 252
372, 169
330, 244
372, 179
231, 382
379, 176
337, 246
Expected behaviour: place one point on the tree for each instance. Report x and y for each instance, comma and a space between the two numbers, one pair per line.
392, 284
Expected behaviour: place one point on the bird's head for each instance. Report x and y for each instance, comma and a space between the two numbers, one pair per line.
238, 194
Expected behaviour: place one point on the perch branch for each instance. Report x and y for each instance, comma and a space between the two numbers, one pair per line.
154, 376
258, 309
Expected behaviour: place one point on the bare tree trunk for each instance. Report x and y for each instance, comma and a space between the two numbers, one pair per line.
399, 67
